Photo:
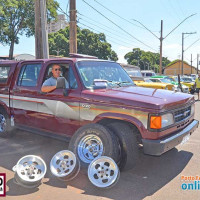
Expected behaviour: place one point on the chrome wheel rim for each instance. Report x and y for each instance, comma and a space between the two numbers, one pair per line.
2, 123
31, 168
103, 172
89, 148
63, 163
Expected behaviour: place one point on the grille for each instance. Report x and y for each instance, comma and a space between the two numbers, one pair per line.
182, 114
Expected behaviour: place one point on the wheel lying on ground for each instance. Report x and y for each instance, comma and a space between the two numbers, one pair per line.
92, 141
103, 172
64, 165
5, 127
29, 171
129, 144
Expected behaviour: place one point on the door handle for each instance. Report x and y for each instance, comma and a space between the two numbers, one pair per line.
16, 90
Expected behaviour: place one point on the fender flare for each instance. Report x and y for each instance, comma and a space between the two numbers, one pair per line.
122, 117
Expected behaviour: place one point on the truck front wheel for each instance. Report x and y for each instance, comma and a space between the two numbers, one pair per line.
129, 144
92, 141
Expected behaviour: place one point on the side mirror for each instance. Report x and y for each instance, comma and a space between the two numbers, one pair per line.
100, 84
61, 83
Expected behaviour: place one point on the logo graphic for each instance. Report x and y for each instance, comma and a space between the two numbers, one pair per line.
2, 184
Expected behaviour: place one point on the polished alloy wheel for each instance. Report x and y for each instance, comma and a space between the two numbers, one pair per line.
64, 165
29, 171
89, 148
103, 172
2, 123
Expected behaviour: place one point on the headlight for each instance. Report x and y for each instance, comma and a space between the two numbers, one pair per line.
167, 120
158, 122
192, 109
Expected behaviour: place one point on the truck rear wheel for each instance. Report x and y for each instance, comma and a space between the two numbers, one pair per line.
92, 141
5, 128
129, 144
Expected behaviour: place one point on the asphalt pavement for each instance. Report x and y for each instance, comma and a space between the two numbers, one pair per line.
153, 178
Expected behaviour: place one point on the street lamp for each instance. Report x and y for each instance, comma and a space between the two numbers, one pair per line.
161, 38
183, 46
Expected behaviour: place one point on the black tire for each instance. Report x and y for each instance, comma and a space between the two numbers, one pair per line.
128, 142
109, 141
7, 132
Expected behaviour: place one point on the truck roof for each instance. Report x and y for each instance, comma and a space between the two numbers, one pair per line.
52, 59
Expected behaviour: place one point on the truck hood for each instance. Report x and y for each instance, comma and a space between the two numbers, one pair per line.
156, 99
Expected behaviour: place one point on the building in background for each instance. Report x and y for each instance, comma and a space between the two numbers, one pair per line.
58, 24
19, 57
175, 68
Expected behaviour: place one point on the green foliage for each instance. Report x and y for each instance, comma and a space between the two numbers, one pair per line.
144, 59
88, 42
17, 17
174, 61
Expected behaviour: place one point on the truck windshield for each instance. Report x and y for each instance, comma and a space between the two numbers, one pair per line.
110, 72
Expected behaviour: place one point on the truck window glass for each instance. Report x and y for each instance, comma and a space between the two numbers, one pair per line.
109, 71
29, 75
66, 71
72, 80
4, 71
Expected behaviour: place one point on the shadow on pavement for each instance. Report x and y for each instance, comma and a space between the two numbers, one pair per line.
150, 174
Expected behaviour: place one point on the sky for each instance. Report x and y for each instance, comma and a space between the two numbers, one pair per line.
124, 35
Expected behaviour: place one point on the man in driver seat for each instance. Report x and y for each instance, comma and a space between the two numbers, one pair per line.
50, 84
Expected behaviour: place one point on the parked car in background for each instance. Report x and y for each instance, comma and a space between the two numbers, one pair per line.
187, 82
148, 73
185, 89
135, 74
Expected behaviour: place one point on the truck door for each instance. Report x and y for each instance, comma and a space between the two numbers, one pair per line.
58, 113
24, 99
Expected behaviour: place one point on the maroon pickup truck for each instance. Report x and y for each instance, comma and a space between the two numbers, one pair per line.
102, 112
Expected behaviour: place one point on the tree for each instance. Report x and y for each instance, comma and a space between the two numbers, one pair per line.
145, 59
17, 17
89, 43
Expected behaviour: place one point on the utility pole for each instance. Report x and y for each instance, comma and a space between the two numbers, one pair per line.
73, 28
182, 53
197, 63
183, 48
41, 37
161, 40
191, 63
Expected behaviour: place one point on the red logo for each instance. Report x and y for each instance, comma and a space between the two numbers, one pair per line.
2, 185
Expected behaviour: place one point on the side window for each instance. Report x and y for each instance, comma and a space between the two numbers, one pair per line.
72, 80
4, 71
29, 75
66, 72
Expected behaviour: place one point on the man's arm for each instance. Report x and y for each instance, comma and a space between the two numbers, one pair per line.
48, 88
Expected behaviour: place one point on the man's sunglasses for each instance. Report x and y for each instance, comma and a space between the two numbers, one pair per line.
58, 69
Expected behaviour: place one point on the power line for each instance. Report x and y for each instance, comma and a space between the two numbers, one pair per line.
118, 15
192, 44
107, 31
99, 23
108, 36
103, 29
118, 26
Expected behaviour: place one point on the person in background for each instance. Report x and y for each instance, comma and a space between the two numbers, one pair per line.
50, 84
197, 82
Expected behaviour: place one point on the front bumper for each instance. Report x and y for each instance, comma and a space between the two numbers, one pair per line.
158, 147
